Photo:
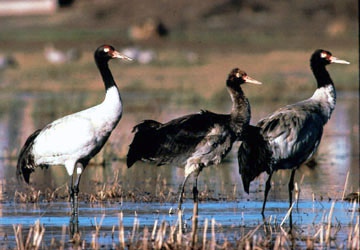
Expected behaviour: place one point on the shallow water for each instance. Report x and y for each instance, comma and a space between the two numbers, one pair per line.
234, 212
233, 220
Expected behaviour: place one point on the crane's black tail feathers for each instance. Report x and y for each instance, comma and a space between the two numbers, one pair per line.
254, 156
26, 164
141, 146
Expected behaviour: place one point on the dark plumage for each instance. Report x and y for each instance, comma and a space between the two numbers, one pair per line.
74, 139
26, 162
289, 136
196, 140
7, 61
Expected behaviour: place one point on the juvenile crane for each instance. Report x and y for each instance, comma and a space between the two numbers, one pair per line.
74, 139
194, 141
291, 135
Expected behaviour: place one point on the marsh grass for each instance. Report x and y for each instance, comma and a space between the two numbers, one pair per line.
162, 235
113, 191
273, 233
34, 237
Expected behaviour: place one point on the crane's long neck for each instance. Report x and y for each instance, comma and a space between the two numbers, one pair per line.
106, 75
325, 94
240, 112
112, 104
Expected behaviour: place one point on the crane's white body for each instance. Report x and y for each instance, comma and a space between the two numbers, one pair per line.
76, 136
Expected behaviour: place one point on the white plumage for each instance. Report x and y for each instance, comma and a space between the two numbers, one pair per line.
74, 139
75, 136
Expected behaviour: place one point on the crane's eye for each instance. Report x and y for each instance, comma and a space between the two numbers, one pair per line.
106, 49
323, 55
237, 75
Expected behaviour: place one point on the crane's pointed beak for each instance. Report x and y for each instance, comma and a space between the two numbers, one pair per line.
334, 59
118, 55
248, 79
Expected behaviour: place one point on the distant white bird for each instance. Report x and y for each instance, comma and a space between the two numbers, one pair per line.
56, 56
74, 139
143, 56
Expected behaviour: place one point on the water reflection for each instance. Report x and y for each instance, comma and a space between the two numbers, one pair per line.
21, 114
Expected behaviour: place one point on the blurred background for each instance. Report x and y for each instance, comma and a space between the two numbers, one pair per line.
183, 51
255, 25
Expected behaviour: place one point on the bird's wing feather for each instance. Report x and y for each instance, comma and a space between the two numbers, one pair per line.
293, 134
64, 137
254, 156
180, 137
174, 141
215, 145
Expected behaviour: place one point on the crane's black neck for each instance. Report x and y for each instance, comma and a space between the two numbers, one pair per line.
240, 112
325, 95
106, 74
322, 76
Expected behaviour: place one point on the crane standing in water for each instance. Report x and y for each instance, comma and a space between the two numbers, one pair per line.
196, 140
74, 139
291, 135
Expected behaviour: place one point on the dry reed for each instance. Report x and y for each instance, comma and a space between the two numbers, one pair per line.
161, 237
33, 239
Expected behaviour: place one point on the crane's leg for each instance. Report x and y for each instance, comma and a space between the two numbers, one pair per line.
74, 192
181, 192
267, 189
74, 223
71, 194
195, 189
79, 170
74, 229
180, 200
291, 188
195, 210
195, 198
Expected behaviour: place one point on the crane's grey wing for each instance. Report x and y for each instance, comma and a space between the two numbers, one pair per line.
293, 134
205, 135
254, 156
215, 145
177, 140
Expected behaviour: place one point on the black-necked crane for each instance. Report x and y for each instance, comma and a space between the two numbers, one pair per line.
74, 139
290, 136
194, 141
